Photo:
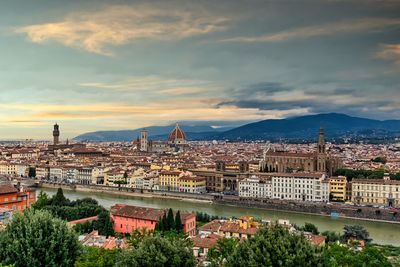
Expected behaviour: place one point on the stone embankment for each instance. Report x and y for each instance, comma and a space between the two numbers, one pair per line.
325, 209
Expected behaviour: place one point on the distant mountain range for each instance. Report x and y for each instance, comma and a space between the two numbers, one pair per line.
303, 127
155, 132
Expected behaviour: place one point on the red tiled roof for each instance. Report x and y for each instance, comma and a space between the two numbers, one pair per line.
205, 241
89, 219
7, 188
143, 213
176, 133
212, 226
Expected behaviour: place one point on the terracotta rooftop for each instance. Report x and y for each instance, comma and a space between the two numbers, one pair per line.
143, 213
7, 188
209, 241
177, 134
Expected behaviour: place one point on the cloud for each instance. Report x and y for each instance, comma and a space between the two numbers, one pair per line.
350, 26
343, 100
389, 52
117, 25
155, 85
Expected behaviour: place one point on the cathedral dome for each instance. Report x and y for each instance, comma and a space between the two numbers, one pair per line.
177, 135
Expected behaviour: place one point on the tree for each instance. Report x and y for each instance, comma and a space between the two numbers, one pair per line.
35, 238
274, 246
97, 257
170, 220
42, 201
158, 251
119, 183
338, 255
221, 251
355, 232
104, 224
32, 172
311, 228
59, 199
331, 236
137, 237
178, 221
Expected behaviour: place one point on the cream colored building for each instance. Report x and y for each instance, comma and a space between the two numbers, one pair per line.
254, 187
383, 192
300, 186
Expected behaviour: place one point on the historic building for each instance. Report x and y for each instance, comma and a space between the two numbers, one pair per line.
256, 188
284, 162
337, 188
176, 142
383, 192
300, 186
16, 199
58, 146
127, 218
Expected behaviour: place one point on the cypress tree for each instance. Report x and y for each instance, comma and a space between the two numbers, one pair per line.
164, 223
170, 220
178, 222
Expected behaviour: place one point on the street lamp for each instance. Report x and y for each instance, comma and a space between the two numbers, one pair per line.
118, 243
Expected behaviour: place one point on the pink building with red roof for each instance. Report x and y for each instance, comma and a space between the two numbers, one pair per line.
127, 218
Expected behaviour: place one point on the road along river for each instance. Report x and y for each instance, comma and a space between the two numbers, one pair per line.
382, 233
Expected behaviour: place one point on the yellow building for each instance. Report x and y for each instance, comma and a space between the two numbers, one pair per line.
337, 188
192, 184
169, 180
244, 227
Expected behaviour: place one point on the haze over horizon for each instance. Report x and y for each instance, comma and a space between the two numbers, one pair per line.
111, 65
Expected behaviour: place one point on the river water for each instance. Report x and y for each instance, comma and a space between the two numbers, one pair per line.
381, 233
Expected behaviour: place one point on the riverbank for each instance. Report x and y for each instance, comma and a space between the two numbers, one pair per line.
381, 232
122, 192
315, 209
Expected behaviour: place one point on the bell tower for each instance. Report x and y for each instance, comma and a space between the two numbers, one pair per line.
321, 151
56, 135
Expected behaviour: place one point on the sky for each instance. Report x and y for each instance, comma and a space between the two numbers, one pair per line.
112, 65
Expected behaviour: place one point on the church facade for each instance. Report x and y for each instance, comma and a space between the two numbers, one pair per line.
176, 142
284, 162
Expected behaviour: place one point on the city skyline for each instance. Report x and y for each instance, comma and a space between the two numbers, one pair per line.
115, 65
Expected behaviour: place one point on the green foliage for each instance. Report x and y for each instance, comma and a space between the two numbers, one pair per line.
331, 236
170, 220
274, 246
59, 199
137, 237
311, 228
42, 201
35, 238
338, 255
158, 251
178, 222
366, 174
97, 257
356, 232
382, 160
83, 228
204, 217
104, 224
167, 223
222, 250
70, 213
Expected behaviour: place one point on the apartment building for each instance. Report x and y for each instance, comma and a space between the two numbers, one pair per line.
192, 184
383, 192
254, 187
337, 188
300, 187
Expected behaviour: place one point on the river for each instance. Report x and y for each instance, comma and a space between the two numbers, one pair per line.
381, 233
